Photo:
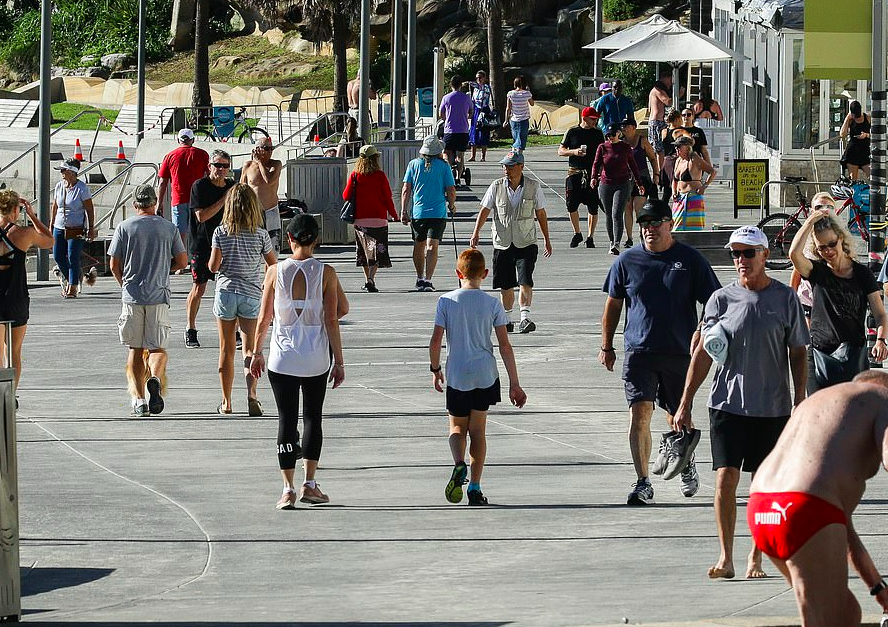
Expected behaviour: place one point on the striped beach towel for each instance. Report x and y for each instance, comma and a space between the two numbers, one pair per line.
688, 213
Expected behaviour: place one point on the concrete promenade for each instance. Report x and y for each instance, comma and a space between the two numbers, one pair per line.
171, 519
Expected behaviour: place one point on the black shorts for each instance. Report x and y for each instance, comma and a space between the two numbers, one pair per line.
578, 194
457, 142
460, 404
200, 270
648, 185
514, 266
16, 313
742, 442
655, 377
428, 228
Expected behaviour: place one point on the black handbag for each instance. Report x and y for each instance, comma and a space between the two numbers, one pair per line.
839, 366
347, 213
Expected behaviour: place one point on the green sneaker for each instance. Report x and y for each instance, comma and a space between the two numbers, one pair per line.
454, 492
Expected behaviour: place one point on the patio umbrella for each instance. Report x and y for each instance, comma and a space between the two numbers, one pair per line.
676, 45
630, 35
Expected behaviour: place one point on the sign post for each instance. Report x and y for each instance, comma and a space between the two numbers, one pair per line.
750, 175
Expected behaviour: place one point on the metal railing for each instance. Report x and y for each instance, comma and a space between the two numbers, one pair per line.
814, 169
197, 117
125, 193
326, 118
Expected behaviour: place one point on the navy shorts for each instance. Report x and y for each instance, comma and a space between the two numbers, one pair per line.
457, 142
460, 403
655, 377
742, 442
514, 266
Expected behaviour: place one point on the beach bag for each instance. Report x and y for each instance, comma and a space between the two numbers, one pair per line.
839, 366
347, 213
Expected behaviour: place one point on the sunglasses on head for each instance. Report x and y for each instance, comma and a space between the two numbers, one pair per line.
749, 253
650, 224
221, 166
824, 247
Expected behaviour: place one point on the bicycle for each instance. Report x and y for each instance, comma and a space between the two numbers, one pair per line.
250, 134
781, 228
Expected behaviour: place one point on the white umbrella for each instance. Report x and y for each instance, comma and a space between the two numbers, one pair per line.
673, 44
630, 35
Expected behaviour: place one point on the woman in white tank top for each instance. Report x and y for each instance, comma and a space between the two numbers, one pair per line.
306, 301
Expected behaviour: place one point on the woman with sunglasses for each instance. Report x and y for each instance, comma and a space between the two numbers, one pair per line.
842, 290
688, 186
616, 168
802, 287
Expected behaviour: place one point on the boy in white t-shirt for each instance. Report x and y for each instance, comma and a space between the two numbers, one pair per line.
467, 316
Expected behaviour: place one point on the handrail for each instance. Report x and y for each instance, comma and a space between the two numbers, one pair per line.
266, 107
814, 169
127, 171
765, 211
305, 127
37, 145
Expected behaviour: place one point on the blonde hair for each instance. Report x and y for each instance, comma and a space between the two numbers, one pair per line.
242, 212
825, 196
9, 202
829, 223
367, 165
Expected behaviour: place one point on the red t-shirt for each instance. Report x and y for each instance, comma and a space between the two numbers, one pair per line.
183, 166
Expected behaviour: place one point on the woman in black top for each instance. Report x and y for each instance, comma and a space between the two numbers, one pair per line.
15, 241
857, 128
842, 290
668, 135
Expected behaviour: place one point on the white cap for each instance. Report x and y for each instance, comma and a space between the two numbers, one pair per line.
750, 235
185, 134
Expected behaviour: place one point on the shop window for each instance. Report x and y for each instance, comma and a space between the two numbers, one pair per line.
805, 105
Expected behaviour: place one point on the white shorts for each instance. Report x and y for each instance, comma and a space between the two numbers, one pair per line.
144, 326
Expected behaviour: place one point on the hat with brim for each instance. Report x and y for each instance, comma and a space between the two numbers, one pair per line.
145, 196
431, 146
654, 209
185, 134
368, 151
749, 235
72, 165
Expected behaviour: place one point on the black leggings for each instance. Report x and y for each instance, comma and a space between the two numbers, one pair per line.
286, 395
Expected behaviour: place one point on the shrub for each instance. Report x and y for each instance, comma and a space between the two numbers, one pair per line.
638, 77
617, 10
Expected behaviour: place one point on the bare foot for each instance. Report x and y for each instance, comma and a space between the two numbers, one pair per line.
724, 571
754, 569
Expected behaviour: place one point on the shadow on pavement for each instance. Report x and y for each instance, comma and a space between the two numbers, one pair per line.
269, 624
40, 580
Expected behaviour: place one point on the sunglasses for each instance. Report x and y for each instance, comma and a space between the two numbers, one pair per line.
824, 206
749, 253
823, 248
650, 224
687, 115
221, 166
265, 148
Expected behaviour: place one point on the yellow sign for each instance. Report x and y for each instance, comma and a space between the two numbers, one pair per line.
749, 177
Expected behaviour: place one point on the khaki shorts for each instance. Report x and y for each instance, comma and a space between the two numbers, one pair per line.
144, 326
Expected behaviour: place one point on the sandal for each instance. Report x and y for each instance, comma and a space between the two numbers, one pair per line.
255, 407
222, 411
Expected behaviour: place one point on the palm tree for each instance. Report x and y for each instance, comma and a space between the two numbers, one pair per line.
201, 95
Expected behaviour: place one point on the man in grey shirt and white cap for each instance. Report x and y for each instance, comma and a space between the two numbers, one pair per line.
750, 401
143, 252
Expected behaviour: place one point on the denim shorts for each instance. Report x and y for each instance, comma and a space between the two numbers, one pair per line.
181, 215
231, 305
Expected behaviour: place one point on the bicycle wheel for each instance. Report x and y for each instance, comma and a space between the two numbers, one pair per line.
251, 135
780, 229
204, 136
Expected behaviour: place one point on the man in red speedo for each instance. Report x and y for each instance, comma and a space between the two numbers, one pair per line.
804, 493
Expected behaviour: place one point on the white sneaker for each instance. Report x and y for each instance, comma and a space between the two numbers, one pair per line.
690, 480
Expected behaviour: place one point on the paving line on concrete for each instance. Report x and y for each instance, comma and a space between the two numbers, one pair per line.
169, 499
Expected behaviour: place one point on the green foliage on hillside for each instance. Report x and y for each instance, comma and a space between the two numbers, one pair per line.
81, 28
617, 10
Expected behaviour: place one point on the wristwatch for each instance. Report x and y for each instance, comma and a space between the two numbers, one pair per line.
876, 589
438, 369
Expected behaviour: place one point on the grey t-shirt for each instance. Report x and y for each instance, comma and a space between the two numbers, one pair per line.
761, 326
243, 256
146, 245
468, 317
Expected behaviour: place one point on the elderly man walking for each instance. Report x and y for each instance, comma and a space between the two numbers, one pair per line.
262, 174
755, 330
429, 182
662, 281
143, 251
517, 205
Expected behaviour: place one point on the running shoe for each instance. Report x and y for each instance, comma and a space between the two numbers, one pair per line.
155, 400
476, 497
191, 338
370, 287
642, 493
428, 287
314, 496
590, 243
526, 326
690, 480
454, 492
665, 444
238, 341
575, 240
681, 452
510, 327
628, 243
614, 250
420, 284
467, 177
287, 500
140, 410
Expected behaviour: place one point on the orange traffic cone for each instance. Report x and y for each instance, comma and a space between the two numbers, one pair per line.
317, 139
120, 153
78, 151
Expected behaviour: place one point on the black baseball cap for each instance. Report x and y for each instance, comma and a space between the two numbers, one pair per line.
614, 128
654, 209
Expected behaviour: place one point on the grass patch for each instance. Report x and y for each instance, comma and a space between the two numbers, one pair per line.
64, 111
253, 49
532, 140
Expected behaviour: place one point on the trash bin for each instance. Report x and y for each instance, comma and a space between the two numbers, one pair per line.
393, 159
319, 181
10, 578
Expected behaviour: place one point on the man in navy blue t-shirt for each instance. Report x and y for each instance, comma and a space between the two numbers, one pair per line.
661, 281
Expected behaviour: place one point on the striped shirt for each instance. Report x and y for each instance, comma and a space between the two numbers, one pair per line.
243, 257
520, 105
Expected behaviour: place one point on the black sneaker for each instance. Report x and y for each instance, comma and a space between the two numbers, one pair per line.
575, 240
642, 493
454, 492
590, 243
428, 287
628, 243
420, 284
510, 327
238, 341
155, 400
476, 497
467, 177
191, 338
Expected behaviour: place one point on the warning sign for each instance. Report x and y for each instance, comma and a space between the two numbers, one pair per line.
749, 177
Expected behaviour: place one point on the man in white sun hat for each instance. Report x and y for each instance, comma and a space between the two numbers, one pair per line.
762, 323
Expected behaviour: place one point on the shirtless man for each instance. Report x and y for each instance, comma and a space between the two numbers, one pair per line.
659, 98
262, 174
353, 93
804, 493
